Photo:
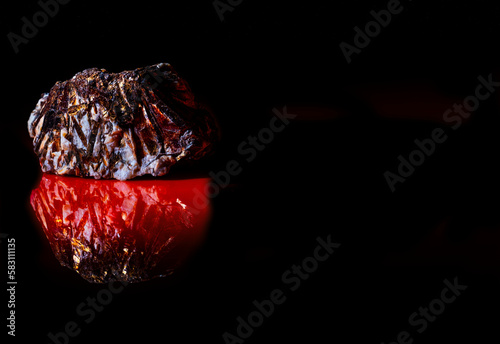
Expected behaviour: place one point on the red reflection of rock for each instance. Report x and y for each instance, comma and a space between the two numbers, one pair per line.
418, 99
112, 230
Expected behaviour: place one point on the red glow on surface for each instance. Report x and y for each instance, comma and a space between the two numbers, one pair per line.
121, 230
420, 100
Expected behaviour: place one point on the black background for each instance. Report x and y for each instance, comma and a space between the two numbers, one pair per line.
322, 175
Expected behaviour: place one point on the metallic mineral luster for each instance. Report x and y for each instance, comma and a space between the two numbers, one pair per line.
109, 230
120, 125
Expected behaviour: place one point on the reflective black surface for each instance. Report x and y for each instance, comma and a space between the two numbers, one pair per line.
322, 175
128, 231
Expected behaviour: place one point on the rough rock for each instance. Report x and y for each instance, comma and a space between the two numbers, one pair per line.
120, 125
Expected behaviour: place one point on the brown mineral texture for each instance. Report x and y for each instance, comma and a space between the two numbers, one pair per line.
120, 125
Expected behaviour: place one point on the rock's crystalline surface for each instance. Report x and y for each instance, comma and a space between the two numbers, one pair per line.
120, 125
130, 231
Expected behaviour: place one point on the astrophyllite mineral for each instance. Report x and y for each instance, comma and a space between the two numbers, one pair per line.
120, 125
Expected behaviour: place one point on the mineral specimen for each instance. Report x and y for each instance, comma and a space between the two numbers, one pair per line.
108, 230
120, 125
